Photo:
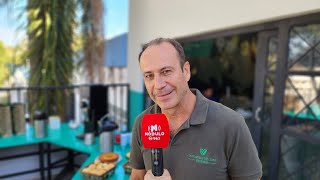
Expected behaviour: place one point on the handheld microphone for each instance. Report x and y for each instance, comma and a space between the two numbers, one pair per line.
155, 134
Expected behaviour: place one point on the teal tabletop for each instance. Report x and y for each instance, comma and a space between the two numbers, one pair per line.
66, 137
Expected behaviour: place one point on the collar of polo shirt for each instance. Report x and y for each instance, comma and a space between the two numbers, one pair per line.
199, 114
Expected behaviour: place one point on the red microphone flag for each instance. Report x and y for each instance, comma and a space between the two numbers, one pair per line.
155, 131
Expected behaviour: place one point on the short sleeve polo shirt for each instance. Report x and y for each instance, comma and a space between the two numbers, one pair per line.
214, 143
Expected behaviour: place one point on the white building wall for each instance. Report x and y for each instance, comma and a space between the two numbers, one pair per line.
149, 19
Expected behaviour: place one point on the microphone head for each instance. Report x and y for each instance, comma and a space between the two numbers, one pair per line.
155, 131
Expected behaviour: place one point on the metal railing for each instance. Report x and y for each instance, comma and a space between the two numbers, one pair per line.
117, 99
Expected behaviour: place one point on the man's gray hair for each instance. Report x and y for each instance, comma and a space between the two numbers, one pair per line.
177, 46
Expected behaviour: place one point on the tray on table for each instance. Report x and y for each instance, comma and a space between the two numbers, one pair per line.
97, 174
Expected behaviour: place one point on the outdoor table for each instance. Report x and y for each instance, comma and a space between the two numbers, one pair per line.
64, 137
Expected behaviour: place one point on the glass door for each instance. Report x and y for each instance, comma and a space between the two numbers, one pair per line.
286, 122
266, 62
300, 122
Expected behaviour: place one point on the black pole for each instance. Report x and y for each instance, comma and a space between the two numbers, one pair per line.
49, 160
41, 161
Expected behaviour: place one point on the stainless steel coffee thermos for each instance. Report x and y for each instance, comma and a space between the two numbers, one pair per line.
106, 141
89, 132
106, 135
40, 121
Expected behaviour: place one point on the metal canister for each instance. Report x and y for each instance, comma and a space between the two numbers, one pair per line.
89, 138
5, 121
106, 141
89, 132
106, 135
18, 118
40, 127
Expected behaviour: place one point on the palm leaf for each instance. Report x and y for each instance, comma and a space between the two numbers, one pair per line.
50, 33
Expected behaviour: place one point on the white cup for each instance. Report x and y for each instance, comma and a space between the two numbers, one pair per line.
125, 140
54, 122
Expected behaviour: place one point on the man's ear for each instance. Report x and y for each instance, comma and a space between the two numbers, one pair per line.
186, 70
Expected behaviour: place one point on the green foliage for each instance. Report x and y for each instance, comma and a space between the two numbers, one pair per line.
4, 62
51, 45
50, 32
10, 58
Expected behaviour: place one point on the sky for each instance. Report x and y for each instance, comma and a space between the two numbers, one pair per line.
115, 21
10, 33
116, 17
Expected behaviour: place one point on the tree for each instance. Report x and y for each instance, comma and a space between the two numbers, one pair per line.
92, 30
4, 62
10, 59
50, 33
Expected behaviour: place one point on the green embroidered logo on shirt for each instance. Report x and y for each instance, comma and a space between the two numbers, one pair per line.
202, 158
203, 151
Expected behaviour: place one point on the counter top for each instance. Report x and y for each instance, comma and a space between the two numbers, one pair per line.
66, 137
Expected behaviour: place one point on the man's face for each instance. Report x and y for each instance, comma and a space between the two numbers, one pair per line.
165, 81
